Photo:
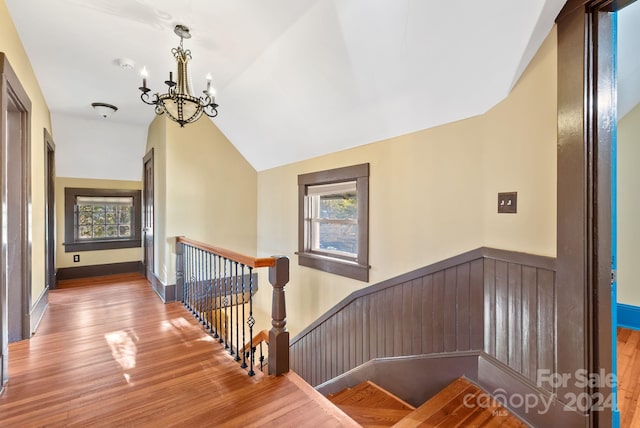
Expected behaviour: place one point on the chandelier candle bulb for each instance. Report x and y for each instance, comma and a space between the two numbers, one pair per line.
144, 74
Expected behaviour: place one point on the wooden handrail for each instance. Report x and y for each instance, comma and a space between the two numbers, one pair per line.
231, 255
263, 336
192, 282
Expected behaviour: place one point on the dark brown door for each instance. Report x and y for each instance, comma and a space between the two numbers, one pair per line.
148, 215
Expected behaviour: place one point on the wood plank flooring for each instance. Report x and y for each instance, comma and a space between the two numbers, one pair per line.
112, 354
448, 409
371, 406
629, 377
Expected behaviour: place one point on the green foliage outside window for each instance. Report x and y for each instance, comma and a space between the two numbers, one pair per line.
104, 220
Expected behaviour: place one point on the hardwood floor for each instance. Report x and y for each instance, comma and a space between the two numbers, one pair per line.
112, 354
629, 377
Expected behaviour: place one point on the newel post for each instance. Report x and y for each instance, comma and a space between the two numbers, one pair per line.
278, 335
179, 271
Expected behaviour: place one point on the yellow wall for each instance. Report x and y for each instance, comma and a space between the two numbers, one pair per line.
90, 258
520, 154
157, 141
10, 44
629, 208
433, 194
209, 191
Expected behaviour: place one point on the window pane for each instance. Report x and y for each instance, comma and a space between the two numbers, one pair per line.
340, 206
111, 217
99, 231
98, 215
85, 232
125, 215
112, 231
106, 218
339, 237
86, 219
125, 231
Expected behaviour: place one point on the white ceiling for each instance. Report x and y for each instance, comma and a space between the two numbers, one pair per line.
294, 78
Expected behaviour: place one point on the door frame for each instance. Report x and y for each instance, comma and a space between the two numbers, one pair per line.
12, 92
586, 128
148, 211
50, 210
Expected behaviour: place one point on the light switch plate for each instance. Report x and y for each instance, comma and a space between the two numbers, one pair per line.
508, 203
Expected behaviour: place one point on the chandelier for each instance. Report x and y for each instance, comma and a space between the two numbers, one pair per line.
177, 102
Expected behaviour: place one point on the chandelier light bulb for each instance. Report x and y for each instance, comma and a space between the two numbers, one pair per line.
209, 78
144, 74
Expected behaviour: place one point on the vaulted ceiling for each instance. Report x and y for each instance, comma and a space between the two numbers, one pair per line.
294, 78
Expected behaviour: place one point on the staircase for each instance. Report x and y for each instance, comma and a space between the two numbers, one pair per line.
370, 405
460, 404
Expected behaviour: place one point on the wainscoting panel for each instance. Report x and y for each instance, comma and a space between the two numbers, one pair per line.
520, 316
487, 300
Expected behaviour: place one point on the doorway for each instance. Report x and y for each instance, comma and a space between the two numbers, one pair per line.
50, 220
15, 195
625, 201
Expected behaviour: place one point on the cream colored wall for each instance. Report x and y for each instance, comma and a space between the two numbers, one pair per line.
11, 45
520, 153
90, 258
210, 191
433, 194
629, 208
157, 141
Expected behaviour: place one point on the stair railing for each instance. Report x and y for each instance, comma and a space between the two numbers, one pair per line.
256, 345
217, 285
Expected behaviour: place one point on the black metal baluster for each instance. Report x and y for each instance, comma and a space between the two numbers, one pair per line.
221, 297
187, 275
194, 305
231, 306
226, 305
244, 340
237, 316
251, 321
192, 288
209, 293
190, 285
216, 296
261, 358
201, 288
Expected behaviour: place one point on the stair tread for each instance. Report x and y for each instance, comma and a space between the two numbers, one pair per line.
338, 394
448, 408
374, 417
368, 394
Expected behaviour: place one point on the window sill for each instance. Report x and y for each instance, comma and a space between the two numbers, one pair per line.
101, 245
333, 265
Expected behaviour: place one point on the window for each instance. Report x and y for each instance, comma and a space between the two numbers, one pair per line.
333, 221
101, 219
